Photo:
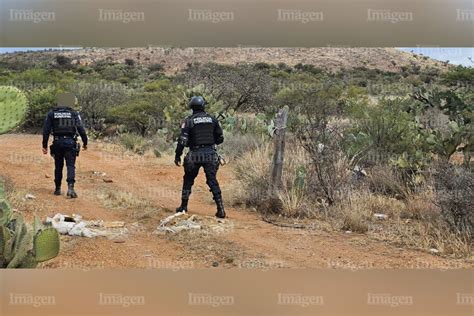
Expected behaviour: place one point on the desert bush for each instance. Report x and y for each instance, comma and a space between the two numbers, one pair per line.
134, 142
95, 98
253, 171
242, 87
387, 180
161, 145
355, 219
156, 67
63, 61
40, 102
420, 207
430, 234
139, 115
237, 144
454, 187
416, 223
329, 165
385, 134
320, 134
356, 211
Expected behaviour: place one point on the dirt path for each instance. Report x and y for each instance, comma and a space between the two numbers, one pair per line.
250, 243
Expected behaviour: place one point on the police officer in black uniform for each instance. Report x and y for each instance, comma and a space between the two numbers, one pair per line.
64, 123
200, 132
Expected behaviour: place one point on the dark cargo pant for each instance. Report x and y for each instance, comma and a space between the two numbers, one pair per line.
64, 150
207, 158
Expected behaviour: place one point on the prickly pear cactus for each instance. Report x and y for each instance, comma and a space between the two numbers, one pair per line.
5, 210
23, 246
13, 105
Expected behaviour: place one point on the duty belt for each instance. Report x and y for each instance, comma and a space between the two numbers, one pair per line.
63, 137
203, 146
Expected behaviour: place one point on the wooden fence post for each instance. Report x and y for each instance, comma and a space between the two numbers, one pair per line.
281, 119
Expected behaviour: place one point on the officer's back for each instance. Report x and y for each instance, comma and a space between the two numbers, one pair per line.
200, 132
64, 123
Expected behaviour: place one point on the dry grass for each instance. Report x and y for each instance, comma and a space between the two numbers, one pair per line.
412, 218
426, 235
384, 180
253, 171
416, 223
121, 200
137, 208
356, 213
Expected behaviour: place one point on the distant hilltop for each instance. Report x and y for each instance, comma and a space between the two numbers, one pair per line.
174, 59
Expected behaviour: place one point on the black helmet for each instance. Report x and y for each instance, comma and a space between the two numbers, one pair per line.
197, 103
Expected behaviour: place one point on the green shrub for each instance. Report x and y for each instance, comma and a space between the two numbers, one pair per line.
40, 102
139, 115
134, 143
385, 134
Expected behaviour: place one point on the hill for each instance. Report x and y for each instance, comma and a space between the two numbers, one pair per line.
175, 59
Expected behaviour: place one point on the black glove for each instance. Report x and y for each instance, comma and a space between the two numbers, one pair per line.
177, 161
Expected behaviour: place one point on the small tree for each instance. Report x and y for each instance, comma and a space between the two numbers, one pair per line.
241, 87
321, 136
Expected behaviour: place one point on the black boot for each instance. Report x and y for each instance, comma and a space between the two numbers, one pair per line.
183, 207
220, 207
70, 191
57, 191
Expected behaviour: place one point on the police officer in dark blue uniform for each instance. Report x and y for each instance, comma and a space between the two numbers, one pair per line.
64, 123
200, 132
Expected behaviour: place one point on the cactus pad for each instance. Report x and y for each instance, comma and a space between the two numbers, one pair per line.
22, 246
4, 237
13, 105
5, 212
46, 244
29, 262
2, 190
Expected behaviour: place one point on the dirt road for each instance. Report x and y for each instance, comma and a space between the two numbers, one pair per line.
153, 186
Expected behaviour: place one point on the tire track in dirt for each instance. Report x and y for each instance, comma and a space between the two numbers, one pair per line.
250, 243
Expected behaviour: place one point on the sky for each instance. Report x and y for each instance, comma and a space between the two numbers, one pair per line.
455, 55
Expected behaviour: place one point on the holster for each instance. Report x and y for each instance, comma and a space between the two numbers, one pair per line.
78, 148
52, 150
222, 160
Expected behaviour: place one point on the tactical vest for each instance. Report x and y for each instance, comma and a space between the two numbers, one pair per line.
64, 122
201, 130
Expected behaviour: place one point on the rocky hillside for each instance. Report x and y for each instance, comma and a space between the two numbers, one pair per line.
175, 59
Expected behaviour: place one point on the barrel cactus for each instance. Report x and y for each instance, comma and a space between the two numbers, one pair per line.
13, 106
21, 245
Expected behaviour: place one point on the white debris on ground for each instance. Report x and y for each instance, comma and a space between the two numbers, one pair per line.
75, 226
98, 173
380, 216
182, 221
171, 225
30, 196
